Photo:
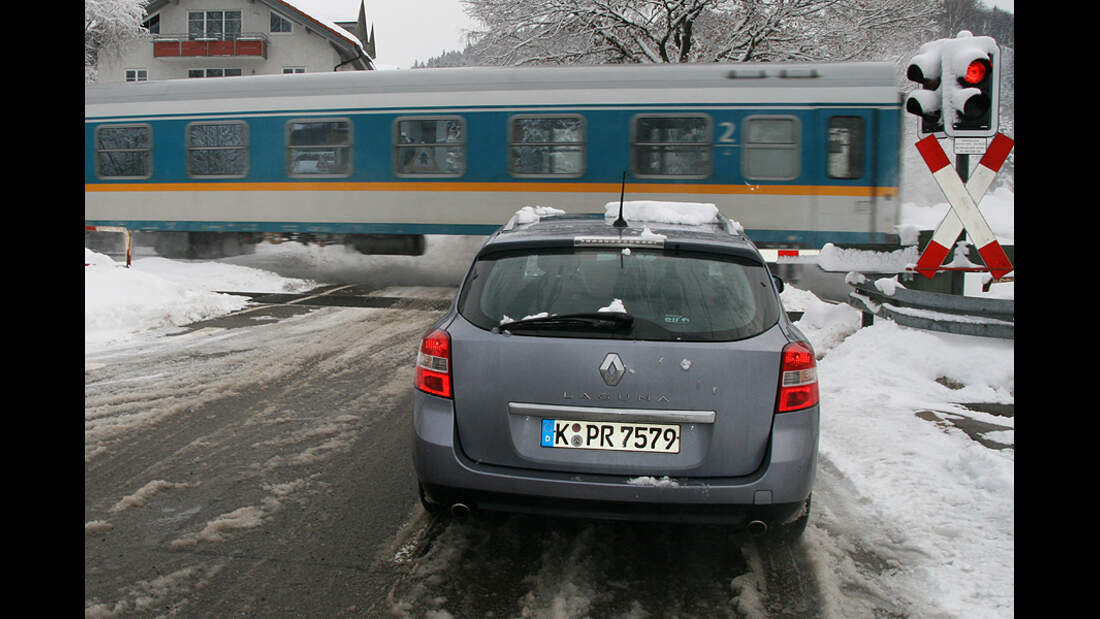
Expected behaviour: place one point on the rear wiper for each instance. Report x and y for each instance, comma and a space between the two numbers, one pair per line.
585, 320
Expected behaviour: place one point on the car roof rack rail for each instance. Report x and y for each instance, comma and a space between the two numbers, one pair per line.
732, 227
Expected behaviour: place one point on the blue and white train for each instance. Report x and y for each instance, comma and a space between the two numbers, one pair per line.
800, 155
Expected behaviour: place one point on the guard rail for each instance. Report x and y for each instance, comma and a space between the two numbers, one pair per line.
934, 311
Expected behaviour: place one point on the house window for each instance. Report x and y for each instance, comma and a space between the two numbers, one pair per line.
672, 146
152, 24
124, 151
546, 146
231, 72
280, 23
430, 146
321, 147
771, 148
217, 149
845, 149
137, 75
213, 24
294, 69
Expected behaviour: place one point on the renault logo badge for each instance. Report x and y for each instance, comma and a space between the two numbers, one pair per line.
612, 369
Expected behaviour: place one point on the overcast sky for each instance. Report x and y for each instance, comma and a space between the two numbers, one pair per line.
404, 30
410, 30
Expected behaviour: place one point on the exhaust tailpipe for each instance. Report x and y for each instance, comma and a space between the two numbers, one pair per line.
460, 510
757, 528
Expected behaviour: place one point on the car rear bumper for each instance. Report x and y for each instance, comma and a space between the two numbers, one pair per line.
774, 493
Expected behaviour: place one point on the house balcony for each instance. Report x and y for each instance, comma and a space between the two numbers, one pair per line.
246, 45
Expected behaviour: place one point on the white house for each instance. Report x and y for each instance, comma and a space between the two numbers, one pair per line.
215, 38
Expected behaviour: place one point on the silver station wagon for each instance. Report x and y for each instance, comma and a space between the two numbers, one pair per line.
633, 364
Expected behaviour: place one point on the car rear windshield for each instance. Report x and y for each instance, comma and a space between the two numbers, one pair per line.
665, 296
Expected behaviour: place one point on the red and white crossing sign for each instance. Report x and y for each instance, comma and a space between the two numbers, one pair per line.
964, 213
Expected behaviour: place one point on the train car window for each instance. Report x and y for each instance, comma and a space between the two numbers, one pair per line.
671, 146
217, 149
546, 146
318, 148
124, 151
771, 148
845, 147
429, 146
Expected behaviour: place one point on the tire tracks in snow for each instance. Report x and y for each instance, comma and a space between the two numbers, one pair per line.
539, 567
209, 442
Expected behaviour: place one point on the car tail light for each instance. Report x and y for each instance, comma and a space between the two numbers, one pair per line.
433, 364
797, 378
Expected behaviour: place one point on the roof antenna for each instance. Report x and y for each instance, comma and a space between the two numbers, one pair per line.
620, 222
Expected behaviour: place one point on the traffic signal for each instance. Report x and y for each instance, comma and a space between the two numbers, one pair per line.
958, 86
971, 75
927, 102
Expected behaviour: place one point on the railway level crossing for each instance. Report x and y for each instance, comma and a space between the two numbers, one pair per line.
959, 81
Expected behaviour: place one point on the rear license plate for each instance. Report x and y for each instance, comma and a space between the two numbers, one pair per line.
611, 436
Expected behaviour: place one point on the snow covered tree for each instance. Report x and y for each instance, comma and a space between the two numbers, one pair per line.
526, 32
452, 58
109, 27
958, 15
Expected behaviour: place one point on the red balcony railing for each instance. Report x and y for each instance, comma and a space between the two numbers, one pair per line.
249, 44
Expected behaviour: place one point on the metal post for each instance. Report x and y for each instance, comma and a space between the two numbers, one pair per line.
958, 279
962, 167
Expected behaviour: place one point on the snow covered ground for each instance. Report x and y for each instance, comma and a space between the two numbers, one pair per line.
936, 507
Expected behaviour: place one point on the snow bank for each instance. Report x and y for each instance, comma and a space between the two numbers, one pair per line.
942, 501
935, 505
837, 259
156, 295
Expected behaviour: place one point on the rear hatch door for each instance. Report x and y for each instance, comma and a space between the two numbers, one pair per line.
628, 407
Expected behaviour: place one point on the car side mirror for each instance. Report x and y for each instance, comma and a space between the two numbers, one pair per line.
778, 283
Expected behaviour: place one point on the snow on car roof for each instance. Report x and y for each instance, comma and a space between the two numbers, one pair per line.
689, 213
641, 211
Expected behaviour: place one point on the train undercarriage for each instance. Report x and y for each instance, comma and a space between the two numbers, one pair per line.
208, 245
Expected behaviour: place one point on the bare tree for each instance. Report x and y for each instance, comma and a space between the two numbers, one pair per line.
521, 32
109, 27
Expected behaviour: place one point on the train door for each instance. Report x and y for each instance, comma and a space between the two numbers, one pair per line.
773, 148
850, 163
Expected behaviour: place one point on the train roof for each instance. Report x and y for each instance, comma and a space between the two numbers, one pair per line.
574, 77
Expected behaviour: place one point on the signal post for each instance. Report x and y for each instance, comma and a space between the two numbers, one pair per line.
958, 98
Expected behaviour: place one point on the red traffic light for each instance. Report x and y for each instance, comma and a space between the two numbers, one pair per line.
976, 72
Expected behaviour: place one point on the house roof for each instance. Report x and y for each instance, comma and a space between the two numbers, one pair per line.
329, 26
